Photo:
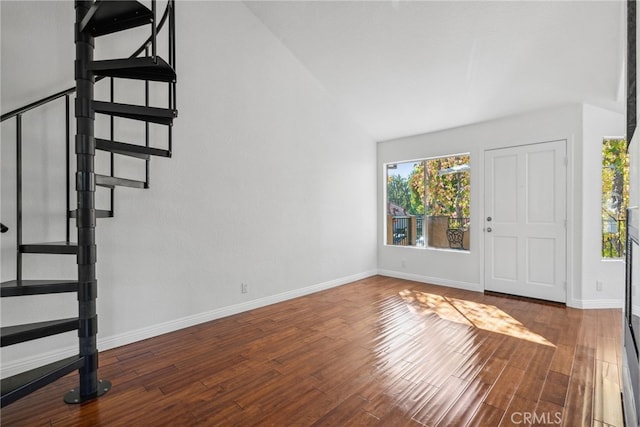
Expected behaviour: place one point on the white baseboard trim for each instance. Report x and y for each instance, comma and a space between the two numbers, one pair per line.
432, 280
218, 313
589, 304
575, 303
106, 343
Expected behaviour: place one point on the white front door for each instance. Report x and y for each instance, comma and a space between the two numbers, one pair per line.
525, 220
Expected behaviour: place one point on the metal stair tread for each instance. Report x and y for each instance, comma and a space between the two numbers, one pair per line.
14, 288
106, 17
67, 248
112, 182
132, 150
24, 383
163, 116
143, 68
10, 335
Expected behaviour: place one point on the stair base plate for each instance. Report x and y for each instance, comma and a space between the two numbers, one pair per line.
73, 396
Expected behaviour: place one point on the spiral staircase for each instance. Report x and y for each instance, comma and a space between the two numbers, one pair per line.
93, 19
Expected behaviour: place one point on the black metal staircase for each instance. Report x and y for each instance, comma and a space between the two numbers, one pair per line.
93, 19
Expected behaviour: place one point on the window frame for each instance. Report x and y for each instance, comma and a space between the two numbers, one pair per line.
424, 235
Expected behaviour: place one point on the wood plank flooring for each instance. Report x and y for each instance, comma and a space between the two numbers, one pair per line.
379, 351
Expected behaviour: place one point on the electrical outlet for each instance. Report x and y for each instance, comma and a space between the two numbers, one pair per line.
403, 264
244, 288
598, 286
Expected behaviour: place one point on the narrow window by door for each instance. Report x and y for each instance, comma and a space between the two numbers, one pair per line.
615, 196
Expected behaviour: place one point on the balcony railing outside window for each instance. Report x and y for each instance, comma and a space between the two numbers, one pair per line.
435, 232
400, 230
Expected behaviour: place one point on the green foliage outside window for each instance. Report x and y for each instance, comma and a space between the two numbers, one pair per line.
447, 185
615, 196
398, 191
427, 201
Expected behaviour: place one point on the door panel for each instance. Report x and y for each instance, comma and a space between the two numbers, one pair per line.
525, 213
540, 187
505, 209
541, 254
505, 249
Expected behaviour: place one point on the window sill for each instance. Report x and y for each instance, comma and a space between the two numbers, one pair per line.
422, 248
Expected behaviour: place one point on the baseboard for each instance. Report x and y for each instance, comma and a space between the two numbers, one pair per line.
185, 322
432, 280
583, 304
109, 342
590, 304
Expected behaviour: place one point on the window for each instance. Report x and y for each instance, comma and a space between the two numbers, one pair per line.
615, 196
428, 203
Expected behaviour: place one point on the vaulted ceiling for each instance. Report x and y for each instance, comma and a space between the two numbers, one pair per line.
406, 67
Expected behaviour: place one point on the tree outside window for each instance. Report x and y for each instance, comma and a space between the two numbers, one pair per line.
428, 203
615, 196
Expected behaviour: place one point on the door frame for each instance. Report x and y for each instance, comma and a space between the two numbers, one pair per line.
572, 225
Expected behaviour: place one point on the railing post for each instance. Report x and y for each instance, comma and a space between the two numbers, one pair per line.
172, 47
146, 128
18, 198
112, 156
67, 167
153, 31
413, 229
89, 387
172, 62
389, 230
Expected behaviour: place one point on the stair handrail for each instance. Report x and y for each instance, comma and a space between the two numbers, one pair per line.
71, 90
36, 104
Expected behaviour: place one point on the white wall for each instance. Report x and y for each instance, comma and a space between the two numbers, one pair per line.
465, 270
271, 184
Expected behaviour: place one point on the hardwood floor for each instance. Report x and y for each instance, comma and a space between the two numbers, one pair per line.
379, 351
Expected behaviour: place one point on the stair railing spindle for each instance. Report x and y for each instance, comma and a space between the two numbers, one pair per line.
172, 47
112, 156
18, 197
172, 62
146, 124
68, 166
154, 31
170, 139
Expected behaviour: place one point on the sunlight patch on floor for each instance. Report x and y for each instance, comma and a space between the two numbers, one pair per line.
482, 316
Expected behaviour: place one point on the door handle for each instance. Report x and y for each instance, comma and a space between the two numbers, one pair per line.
488, 229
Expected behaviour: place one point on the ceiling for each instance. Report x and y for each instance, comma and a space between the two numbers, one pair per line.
406, 67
